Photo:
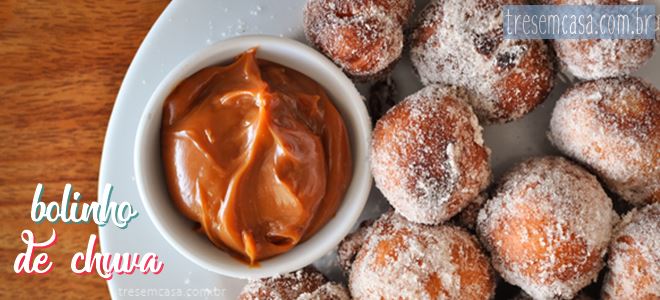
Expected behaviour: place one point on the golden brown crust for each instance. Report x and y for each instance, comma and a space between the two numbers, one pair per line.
515, 91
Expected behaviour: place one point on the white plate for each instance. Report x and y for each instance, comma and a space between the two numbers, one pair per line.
187, 26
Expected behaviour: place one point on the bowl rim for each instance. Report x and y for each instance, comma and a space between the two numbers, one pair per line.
324, 240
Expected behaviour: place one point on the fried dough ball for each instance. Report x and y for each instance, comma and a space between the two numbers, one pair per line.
304, 284
428, 157
547, 227
365, 37
601, 58
613, 126
404, 260
460, 42
634, 261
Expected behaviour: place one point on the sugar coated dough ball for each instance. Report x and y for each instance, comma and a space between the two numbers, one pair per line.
634, 261
601, 58
428, 156
547, 227
613, 126
365, 37
404, 260
461, 43
304, 284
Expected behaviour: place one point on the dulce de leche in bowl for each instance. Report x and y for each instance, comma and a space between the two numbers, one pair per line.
256, 153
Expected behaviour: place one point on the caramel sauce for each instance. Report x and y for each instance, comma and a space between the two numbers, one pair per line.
256, 153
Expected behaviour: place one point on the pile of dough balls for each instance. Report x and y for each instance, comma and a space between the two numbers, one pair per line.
548, 225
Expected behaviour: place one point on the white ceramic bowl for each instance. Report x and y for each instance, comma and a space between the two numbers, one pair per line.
177, 229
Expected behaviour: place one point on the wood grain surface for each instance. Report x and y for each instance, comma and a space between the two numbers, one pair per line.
61, 65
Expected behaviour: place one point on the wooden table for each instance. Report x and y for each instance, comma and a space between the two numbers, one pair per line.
61, 65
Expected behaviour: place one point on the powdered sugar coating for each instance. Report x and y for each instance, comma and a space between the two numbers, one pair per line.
547, 227
594, 59
328, 291
634, 260
428, 156
304, 284
613, 126
460, 42
404, 260
365, 38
